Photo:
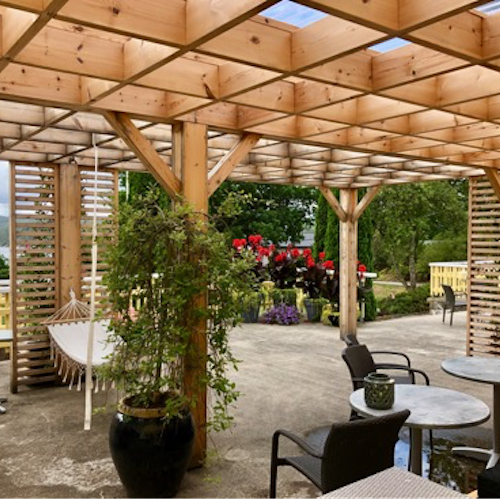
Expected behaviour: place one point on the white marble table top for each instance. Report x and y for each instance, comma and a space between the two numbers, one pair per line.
478, 369
431, 407
394, 483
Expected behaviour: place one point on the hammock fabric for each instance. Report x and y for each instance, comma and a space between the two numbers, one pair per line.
75, 356
69, 342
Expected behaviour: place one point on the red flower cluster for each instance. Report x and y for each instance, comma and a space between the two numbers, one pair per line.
255, 239
295, 252
361, 268
322, 255
328, 264
307, 253
263, 251
310, 262
239, 243
281, 257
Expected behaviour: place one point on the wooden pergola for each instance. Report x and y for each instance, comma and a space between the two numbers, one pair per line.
200, 91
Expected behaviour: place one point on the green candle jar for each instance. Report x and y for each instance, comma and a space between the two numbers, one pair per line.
379, 391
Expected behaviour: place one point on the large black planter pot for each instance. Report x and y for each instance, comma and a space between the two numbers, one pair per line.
151, 456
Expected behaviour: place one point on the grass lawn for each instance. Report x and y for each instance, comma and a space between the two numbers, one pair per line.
381, 291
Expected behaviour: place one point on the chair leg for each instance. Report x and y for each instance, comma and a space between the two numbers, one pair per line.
451, 316
444, 312
274, 467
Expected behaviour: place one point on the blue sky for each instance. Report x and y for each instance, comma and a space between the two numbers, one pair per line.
299, 15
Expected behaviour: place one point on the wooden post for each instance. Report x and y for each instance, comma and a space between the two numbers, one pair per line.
195, 191
13, 279
70, 233
348, 259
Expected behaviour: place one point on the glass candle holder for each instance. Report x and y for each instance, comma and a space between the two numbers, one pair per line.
379, 391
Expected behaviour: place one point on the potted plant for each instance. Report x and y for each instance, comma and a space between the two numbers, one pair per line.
319, 284
251, 307
165, 259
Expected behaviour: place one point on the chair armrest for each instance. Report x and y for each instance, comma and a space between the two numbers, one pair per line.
394, 353
298, 441
412, 371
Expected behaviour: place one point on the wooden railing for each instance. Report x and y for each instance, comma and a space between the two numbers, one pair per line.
453, 274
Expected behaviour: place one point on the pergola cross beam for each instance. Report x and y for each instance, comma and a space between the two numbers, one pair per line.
145, 152
227, 164
334, 203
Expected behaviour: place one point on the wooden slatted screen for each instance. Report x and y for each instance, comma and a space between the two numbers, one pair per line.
35, 259
483, 326
107, 188
34, 267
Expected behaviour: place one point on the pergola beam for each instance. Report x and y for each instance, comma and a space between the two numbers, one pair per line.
226, 165
365, 202
334, 203
146, 153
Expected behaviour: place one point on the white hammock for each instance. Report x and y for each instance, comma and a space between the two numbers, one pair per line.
69, 333
78, 341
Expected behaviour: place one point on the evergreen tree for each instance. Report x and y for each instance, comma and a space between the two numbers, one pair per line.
332, 249
320, 225
365, 255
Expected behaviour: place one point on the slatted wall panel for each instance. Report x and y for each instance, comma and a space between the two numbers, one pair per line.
107, 189
34, 263
483, 328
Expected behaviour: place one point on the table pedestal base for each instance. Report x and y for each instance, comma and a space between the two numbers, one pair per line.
416, 451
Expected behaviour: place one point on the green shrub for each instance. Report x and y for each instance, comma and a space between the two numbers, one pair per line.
406, 303
286, 296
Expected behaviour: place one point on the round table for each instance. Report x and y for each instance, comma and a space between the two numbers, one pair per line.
431, 408
486, 371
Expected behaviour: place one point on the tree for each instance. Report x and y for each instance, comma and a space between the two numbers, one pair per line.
4, 268
365, 255
406, 216
320, 224
278, 213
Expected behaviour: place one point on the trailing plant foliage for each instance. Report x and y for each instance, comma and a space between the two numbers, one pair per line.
165, 258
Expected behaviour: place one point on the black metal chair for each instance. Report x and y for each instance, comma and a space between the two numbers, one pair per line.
360, 362
349, 452
451, 302
351, 340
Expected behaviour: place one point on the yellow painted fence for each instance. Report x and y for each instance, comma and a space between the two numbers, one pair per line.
453, 274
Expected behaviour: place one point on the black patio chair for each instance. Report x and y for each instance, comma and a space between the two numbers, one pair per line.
348, 452
360, 362
351, 340
451, 302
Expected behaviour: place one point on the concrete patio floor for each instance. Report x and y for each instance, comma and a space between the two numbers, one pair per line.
289, 377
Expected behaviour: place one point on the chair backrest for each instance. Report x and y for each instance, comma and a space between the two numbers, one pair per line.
350, 340
360, 363
449, 295
359, 448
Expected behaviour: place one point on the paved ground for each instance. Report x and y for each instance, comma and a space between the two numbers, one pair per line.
290, 377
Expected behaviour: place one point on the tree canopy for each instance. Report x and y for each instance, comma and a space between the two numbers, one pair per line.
408, 215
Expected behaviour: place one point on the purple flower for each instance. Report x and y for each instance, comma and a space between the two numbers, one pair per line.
282, 314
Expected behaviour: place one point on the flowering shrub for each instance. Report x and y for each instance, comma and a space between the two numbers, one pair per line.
282, 315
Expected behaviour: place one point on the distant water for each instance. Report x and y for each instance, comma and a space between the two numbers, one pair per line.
5, 252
